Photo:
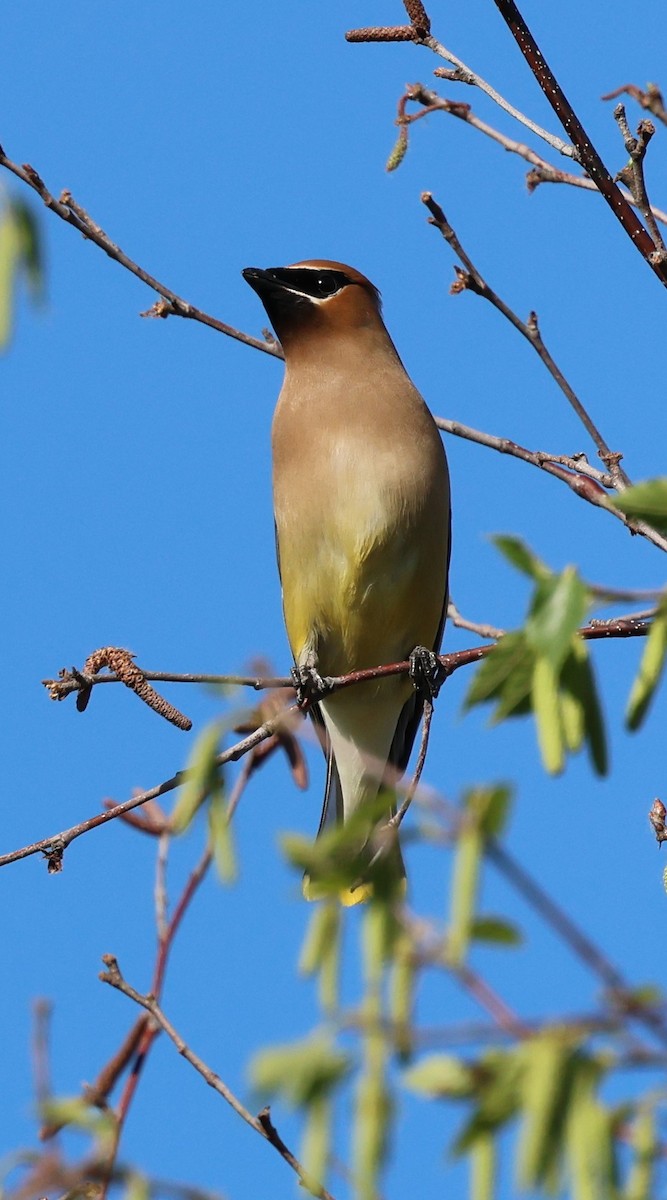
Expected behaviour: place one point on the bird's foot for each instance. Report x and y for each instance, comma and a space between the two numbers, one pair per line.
309, 685
426, 673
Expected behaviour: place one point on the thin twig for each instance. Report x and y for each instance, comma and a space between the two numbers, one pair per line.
261, 1124
633, 174
542, 172
150, 1030
577, 463
650, 99
575, 938
585, 481
587, 153
472, 280
70, 681
171, 305
401, 812
481, 629
54, 847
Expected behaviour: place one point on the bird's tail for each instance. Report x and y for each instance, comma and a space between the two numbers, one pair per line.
372, 860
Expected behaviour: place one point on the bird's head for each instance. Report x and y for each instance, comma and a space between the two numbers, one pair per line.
309, 301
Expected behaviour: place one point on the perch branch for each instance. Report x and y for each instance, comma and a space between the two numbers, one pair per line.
170, 304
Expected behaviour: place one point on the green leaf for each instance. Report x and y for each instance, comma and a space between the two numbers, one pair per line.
339, 858
20, 253
498, 1077
483, 1166
220, 836
650, 669
404, 975
202, 776
316, 1143
557, 610
302, 1072
546, 706
441, 1076
589, 1135
320, 954
491, 805
646, 501
9, 258
136, 1187
521, 556
372, 1119
572, 715
75, 1112
499, 669
545, 1084
646, 1151
30, 245
496, 930
465, 880
578, 687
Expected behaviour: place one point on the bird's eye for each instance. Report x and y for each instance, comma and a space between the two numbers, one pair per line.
327, 284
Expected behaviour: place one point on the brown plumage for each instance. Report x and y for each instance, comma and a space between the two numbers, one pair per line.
361, 498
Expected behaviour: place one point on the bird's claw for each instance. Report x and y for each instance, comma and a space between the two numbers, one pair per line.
426, 673
308, 685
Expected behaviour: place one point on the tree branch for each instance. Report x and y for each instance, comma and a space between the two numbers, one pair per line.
587, 153
170, 305
262, 1123
542, 172
53, 848
472, 280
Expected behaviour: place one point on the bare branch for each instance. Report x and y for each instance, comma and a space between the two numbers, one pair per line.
542, 172
587, 154
171, 305
482, 630
54, 847
650, 99
262, 1123
633, 173
471, 280
463, 74
73, 681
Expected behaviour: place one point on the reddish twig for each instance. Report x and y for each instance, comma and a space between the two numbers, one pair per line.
588, 155
54, 847
650, 99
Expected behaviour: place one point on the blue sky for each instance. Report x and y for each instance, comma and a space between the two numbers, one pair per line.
136, 488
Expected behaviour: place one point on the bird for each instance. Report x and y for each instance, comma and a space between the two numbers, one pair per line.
363, 528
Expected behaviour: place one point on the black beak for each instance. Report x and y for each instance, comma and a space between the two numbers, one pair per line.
264, 283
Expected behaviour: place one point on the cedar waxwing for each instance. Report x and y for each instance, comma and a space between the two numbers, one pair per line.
361, 498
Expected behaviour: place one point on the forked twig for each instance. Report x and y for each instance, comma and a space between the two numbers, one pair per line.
262, 1123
